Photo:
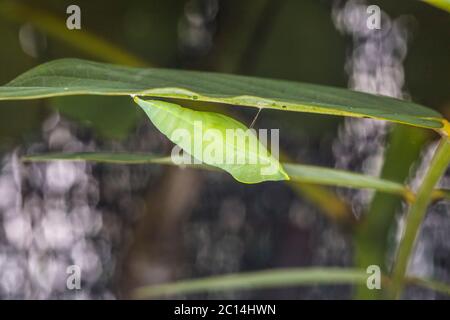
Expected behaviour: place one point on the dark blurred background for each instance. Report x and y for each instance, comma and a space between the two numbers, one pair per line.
128, 226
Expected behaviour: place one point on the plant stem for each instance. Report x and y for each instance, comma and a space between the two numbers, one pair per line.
438, 165
372, 234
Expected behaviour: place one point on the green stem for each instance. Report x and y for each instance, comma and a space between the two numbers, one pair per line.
372, 240
438, 165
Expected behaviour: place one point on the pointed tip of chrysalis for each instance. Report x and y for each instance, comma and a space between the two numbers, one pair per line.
283, 174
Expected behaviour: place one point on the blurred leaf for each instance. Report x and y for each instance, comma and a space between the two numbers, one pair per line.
416, 214
442, 4
336, 177
312, 51
56, 27
17, 120
441, 194
257, 280
429, 284
297, 172
112, 117
329, 203
73, 76
372, 235
103, 157
277, 278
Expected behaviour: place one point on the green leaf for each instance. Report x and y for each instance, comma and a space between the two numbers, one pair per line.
215, 139
442, 4
31, 115
441, 194
440, 287
101, 157
54, 26
372, 237
111, 117
73, 76
257, 280
297, 172
417, 211
288, 277
342, 178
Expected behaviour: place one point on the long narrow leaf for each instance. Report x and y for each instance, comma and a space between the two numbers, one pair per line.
335, 177
441, 194
75, 77
297, 172
438, 164
442, 4
55, 27
429, 284
257, 280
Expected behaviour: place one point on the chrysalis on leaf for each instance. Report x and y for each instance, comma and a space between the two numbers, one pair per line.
216, 140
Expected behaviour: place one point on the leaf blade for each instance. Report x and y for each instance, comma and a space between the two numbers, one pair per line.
257, 280
293, 170
437, 286
442, 4
441, 194
75, 77
341, 178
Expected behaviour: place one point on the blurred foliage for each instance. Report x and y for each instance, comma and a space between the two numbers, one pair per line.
374, 233
443, 4
18, 120
112, 117
427, 66
288, 40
